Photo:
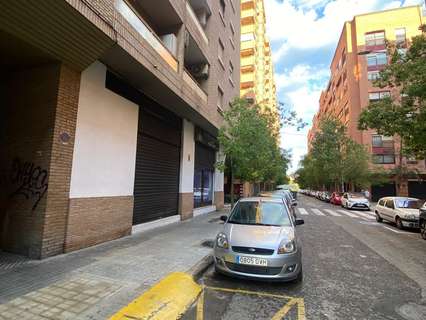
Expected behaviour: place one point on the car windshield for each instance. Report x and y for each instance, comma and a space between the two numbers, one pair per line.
356, 195
407, 204
260, 213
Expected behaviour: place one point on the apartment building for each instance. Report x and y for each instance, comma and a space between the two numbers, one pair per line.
257, 71
360, 55
109, 116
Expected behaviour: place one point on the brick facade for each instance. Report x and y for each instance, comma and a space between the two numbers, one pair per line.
96, 220
41, 104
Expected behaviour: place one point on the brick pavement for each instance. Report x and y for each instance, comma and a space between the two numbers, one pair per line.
94, 283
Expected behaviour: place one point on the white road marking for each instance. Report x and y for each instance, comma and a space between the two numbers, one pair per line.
333, 213
367, 216
318, 212
370, 213
349, 214
393, 230
302, 211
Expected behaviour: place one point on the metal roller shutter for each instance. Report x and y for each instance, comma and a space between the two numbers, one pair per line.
157, 165
417, 189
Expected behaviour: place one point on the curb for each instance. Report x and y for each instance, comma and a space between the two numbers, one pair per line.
197, 270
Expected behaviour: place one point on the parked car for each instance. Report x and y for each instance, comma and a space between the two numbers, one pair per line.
259, 240
422, 221
336, 198
404, 212
326, 196
288, 201
355, 201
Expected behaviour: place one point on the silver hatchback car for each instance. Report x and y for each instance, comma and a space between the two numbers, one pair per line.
259, 240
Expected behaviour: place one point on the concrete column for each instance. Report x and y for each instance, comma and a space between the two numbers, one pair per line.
219, 195
186, 180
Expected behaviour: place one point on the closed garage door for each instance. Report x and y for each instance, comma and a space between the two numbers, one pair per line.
417, 189
157, 164
380, 191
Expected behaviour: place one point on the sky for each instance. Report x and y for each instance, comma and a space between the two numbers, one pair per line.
304, 35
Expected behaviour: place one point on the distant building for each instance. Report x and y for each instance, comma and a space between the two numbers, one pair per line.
257, 70
360, 55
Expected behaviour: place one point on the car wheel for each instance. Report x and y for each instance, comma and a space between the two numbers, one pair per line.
398, 223
378, 218
423, 229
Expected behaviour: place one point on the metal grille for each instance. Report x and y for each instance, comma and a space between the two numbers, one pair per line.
250, 250
270, 271
10, 261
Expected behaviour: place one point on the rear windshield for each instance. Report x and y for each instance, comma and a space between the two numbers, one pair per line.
260, 213
408, 204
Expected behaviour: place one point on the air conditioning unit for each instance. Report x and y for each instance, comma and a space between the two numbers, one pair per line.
200, 71
170, 42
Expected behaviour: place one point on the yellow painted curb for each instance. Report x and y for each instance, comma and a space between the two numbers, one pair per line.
168, 299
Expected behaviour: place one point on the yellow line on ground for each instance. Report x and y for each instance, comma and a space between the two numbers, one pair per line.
264, 294
284, 310
168, 299
200, 307
301, 309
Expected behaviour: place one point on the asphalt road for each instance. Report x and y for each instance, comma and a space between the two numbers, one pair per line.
354, 268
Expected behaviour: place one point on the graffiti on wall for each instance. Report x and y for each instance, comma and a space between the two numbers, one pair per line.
29, 180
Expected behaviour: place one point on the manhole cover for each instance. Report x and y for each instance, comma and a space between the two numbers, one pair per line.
10, 261
208, 243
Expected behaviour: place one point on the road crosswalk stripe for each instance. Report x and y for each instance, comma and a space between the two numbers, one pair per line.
365, 215
333, 213
302, 211
318, 212
349, 214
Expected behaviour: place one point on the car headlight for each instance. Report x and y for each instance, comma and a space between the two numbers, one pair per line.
411, 217
287, 246
222, 241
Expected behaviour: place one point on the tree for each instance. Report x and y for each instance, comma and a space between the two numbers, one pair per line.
249, 145
335, 160
404, 113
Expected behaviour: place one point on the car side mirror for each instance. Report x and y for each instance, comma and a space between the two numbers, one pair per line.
299, 222
223, 218
294, 203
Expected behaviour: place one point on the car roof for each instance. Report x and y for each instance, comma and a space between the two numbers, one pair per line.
399, 198
263, 199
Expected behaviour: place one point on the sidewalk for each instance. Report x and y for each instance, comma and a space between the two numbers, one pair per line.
96, 282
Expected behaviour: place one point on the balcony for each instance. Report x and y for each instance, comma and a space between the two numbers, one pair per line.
199, 12
193, 84
132, 16
197, 67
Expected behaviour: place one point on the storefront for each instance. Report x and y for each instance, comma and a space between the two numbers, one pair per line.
204, 168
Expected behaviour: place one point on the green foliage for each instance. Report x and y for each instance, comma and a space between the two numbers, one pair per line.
334, 160
250, 145
405, 114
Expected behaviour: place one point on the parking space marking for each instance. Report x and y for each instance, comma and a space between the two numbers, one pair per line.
318, 212
349, 214
397, 231
200, 306
292, 301
302, 211
332, 212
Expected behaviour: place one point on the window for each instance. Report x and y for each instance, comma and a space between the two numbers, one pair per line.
377, 59
384, 159
222, 6
219, 97
373, 75
382, 202
375, 39
247, 37
221, 52
389, 204
400, 36
377, 141
376, 96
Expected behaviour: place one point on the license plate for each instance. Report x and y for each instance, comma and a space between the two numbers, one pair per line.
252, 261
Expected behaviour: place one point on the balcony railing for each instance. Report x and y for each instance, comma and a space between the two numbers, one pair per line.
196, 21
136, 22
194, 85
